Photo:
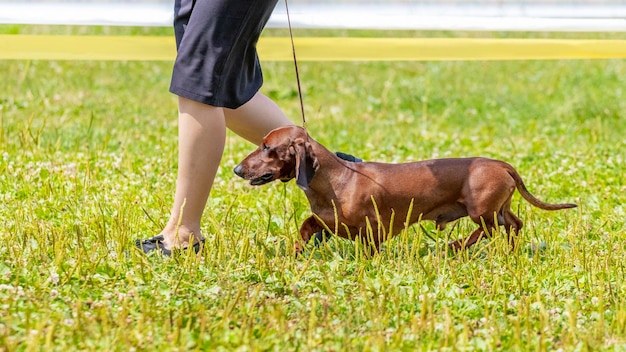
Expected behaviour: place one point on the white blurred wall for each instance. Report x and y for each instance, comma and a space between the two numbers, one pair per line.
598, 15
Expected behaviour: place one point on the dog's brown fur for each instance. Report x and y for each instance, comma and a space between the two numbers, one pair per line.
348, 198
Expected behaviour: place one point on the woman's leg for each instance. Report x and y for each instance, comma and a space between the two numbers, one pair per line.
201, 138
256, 118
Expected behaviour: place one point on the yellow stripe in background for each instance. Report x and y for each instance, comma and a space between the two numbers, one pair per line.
149, 48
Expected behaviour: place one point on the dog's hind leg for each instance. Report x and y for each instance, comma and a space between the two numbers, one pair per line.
512, 224
486, 207
466, 242
487, 225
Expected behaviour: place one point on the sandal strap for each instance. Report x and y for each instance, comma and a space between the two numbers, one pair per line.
156, 243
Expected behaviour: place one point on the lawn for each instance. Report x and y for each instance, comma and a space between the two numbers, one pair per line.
88, 165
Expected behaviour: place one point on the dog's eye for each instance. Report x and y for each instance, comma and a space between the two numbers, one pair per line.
265, 147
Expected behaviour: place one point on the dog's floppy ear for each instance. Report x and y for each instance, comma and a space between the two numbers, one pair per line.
306, 163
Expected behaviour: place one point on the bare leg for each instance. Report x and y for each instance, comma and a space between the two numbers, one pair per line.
256, 118
201, 138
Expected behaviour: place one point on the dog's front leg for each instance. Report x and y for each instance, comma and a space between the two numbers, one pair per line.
309, 227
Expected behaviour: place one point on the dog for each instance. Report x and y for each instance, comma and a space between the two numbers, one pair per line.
353, 199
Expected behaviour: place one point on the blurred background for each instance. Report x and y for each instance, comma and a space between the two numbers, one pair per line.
555, 15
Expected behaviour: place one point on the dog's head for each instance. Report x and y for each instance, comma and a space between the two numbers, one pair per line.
285, 153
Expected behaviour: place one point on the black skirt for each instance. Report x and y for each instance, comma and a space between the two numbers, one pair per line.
216, 61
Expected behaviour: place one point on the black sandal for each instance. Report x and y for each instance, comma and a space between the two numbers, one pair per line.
156, 243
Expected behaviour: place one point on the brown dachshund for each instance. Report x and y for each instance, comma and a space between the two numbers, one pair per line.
378, 200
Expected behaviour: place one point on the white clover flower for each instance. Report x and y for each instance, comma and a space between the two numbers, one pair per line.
54, 278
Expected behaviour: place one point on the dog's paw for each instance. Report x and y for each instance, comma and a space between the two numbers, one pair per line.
456, 246
298, 249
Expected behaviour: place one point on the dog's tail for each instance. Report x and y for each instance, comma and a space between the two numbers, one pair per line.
521, 187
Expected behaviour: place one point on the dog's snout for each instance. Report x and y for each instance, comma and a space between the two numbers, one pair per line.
238, 170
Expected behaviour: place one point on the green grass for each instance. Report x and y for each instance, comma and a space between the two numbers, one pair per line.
89, 161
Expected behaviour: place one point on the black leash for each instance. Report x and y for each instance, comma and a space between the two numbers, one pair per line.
295, 63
